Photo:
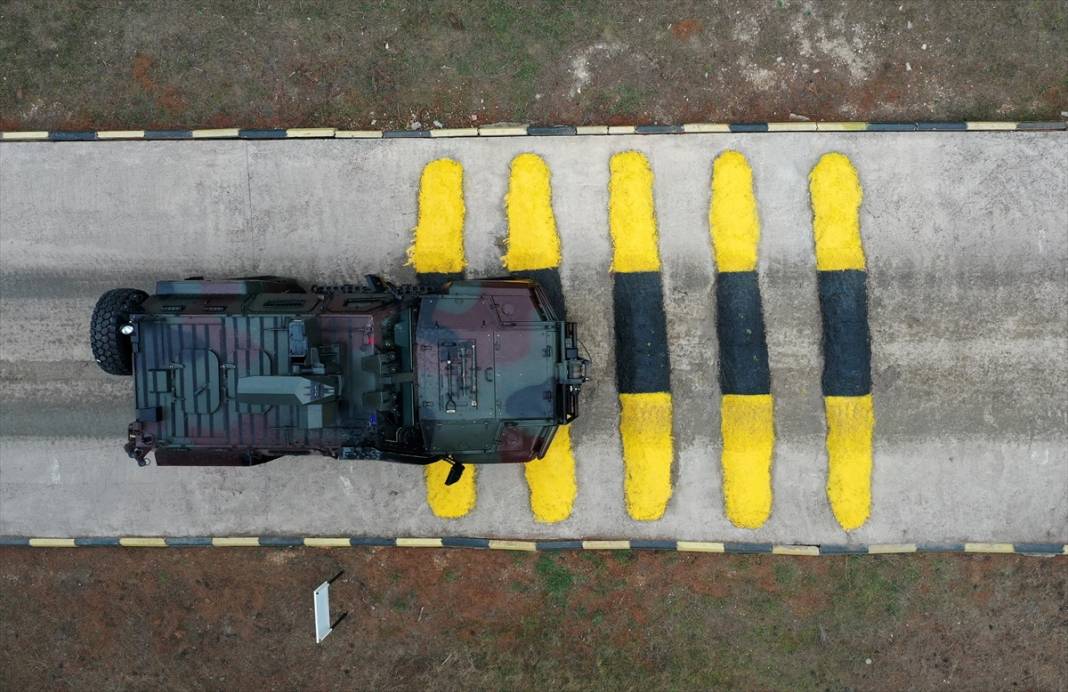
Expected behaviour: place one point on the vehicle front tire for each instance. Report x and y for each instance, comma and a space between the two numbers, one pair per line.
112, 349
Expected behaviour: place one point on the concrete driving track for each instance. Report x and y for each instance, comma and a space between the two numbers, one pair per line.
966, 238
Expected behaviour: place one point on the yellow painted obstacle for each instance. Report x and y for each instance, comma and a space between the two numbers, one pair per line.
746, 407
450, 501
850, 421
645, 429
836, 197
551, 480
534, 246
748, 427
642, 367
732, 216
631, 215
438, 239
438, 248
533, 242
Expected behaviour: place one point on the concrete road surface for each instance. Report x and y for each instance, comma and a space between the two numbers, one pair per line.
966, 236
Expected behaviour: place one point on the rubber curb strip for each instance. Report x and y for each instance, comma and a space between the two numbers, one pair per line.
532, 130
1034, 549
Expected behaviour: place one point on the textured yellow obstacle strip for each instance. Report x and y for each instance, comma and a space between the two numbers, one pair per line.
437, 253
836, 196
747, 408
642, 367
533, 242
438, 242
551, 480
450, 501
534, 252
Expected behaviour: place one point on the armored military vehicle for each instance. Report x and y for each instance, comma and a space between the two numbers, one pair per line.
242, 371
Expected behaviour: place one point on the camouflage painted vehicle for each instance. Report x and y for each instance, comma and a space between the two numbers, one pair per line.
242, 371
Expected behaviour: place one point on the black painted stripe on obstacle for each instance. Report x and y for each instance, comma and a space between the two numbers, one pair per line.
939, 547
641, 333
549, 280
747, 548
558, 545
461, 542
841, 549
276, 133
658, 130
14, 541
435, 281
168, 134
72, 136
1039, 548
891, 127
653, 544
373, 541
846, 339
743, 346
281, 541
941, 126
188, 541
551, 130
96, 542
405, 134
748, 127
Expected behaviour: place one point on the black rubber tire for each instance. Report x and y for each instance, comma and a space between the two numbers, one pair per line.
112, 350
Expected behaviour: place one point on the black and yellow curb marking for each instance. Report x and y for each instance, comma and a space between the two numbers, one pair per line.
642, 366
532, 130
727, 547
534, 252
746, 406
842, 277
437, 254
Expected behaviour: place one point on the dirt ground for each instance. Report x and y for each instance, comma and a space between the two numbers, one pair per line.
456, 619
73, 64
215, 618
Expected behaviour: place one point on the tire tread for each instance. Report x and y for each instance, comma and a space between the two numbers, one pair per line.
111, 350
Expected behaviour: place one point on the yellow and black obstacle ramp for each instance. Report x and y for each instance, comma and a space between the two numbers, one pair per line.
836, 196
534, 252
746, 405
437, 254
642, 364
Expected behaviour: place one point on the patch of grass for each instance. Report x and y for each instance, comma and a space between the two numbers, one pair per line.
865, 588
322, 63
595, 559
556, 579
764, 603
785, 573
627, 100
672, 633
